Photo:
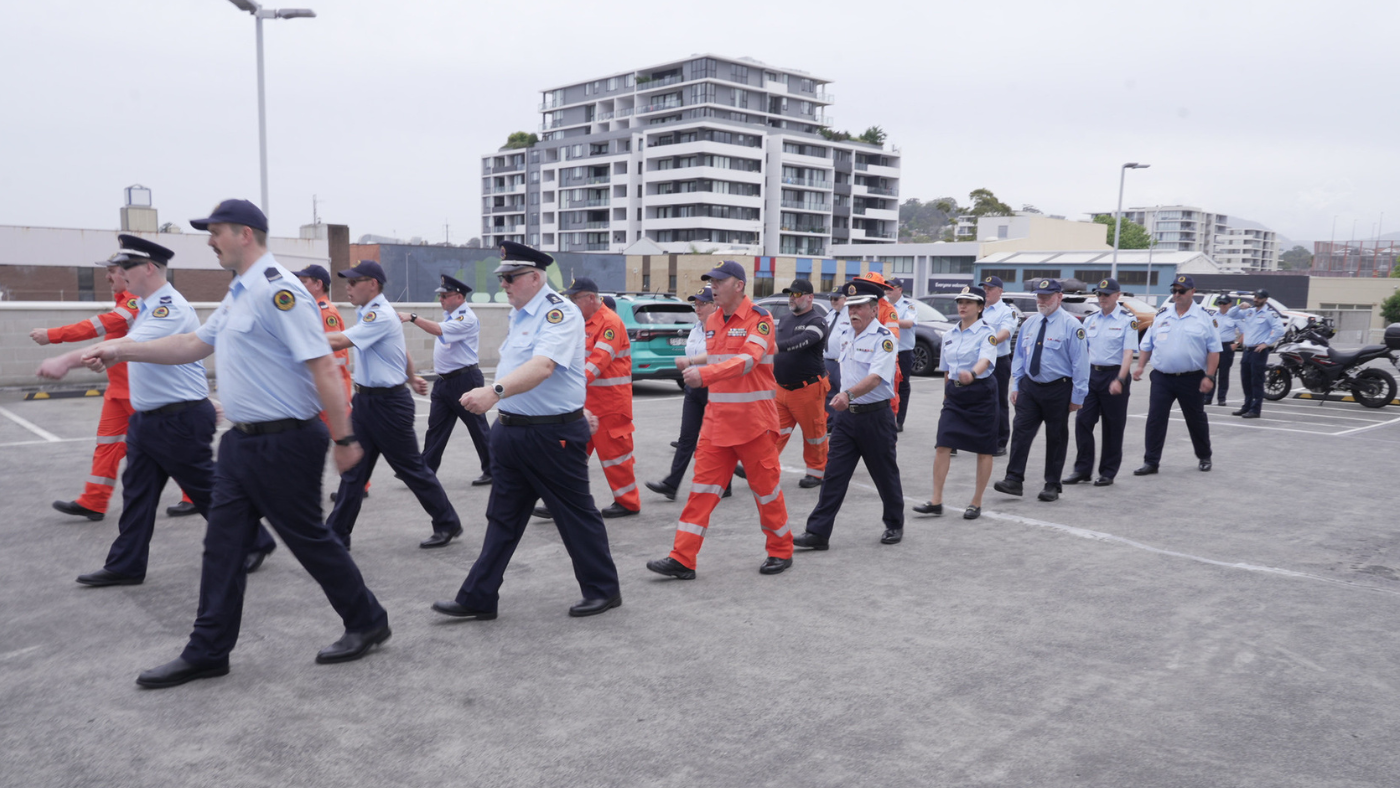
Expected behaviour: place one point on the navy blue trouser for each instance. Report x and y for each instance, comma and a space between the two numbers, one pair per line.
529, 463
692, 416
868, 436
1185, 390
278, 477
1253, 365
1036, 404
1003, 375
1114, 410
906, 368
1222, 375
444, 411
383, 424
833, 372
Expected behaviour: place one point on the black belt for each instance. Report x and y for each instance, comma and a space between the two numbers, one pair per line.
517, 420
373, 390
803, 384
1106, 367
174, 407
1179, 374
454, 373
1048, 382
271, 427
870, 406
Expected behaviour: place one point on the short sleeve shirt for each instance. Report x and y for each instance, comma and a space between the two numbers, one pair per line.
165, 313
871, 351
550, 326
457, 347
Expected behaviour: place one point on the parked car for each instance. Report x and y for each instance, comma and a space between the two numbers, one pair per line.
657, 326
928, 333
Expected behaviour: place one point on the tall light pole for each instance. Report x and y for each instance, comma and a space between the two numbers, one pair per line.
259, 13
1117, 215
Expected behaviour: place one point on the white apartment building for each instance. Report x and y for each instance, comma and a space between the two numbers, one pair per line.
1246, 249
1177, 228
708, 153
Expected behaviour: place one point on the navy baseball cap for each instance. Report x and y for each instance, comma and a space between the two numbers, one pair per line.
366, 268
234, 212
994, 281
973, 293
314, 271
1184, 280
517, 255
136, 250
706, 295
863, 291
725, 270
1261, 295
450, 285
581, 285
1109, 285
799, 287
1043, 286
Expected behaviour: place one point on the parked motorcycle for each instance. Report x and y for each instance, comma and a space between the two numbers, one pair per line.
1322, 369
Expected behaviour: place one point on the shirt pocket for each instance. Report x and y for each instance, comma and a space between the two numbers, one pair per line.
1053, 344
242, 322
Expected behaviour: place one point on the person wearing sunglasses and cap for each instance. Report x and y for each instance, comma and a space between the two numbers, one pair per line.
1113, 340
1261, 328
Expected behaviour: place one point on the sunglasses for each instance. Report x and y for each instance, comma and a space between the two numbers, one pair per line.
509, 278
358, 280
1178, 290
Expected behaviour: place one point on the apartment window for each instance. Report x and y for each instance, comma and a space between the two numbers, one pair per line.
534, 239
739, 98
704, 68
1134, 277
549, 218
1002, 231
549, 239
534, 198
1090, 278
777, 105
1004, 274
534, 176
598, 149
808, 86
739, 73
629, 80
614, 83
806, 108
534, 218
773, 77
900, 265
828, 282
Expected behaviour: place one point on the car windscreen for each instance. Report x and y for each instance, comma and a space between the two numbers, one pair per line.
662, 314
927, 314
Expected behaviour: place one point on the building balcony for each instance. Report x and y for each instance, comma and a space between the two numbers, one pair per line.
519, 208
594, 203
487, 169
815, 207
813, 182
644, 83
584, 226
802, 228
567, 247
661, 105
504, 189
881, 191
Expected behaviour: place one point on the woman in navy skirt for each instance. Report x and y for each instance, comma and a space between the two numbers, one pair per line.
969, 418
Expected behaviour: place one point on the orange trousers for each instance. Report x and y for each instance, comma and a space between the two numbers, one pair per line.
107, 456
613, 442
805, 408
714, 467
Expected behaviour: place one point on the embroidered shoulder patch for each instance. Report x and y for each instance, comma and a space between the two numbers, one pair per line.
887, 346
131, 303
460, 318
992, 339
1133, 325
160, 311
764, 327
1215, 322
331, 322
554, 315
370, 317
283, 299
1079, 334
608, 333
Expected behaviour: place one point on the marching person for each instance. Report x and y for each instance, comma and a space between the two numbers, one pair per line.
317, 281
538, 443
1112, 333
969, 417
802, 381
1230, 340
890, 320
838, 331
741, 424
693, 405
276, 371
455, 357
907, 315
866, 429
1185, 343
1261, 328
382, 411
1049, 380
999, 315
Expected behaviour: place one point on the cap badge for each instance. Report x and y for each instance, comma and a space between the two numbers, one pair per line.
1181, 279
1044, 283
1104, 283
966, 289
850, 289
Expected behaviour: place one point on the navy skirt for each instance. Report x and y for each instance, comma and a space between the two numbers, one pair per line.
969, 418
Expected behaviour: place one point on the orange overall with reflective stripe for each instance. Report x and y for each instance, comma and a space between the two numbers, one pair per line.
608, 374
889, 318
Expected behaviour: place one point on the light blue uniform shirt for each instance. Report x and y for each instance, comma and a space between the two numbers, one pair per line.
1000, 317
1109, 335
163, 314
964, 347
838, 333
457, 347
872, 351
695, 342
904, 309
378, 350
1180, 343
1229, 327
1066, 352
550, 326
1259, 326
265, 331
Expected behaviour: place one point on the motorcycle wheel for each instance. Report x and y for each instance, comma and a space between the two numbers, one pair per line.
1374, 388
1277, 383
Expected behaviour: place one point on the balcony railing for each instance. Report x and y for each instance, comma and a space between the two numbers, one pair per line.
509, 208
660, 105
806, 206
584, 247
860, 165
552, 125
603, 225
859, 209
504, 189
488, 169
791, 180
595, 203
650, 84
881, 191
799, 228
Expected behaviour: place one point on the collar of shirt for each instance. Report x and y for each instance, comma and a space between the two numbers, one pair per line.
532, 307
976, 324
249, 278
741, 312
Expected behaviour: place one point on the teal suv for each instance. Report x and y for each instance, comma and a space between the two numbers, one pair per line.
657, 326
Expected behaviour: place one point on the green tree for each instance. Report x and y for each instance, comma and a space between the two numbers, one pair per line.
873, 135
1295, 259
922, 222
984, 203
835, 136
521, 139
1390, 308
1134, 236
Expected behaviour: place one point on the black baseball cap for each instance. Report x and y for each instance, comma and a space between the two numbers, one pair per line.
366, 268
799, 287
233, 212
315, 272
581, 285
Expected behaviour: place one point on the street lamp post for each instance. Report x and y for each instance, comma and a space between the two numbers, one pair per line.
1117, 215
259, 13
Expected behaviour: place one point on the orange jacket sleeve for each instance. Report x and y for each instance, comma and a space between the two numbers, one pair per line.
108, 325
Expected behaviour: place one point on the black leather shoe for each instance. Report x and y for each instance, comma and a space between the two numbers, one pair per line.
336, 494
1007, 486
253, 560
1250, 415
72, 507
1103, 481
892, 536
451, 607
772, 565
104, 578
935, 509
482, 480
177, 672
181, 509
952, 452
811, 541
592, 607
1145, 470
618, 510
728, 491
1204, 465
675, 444
1000, 452
739, 471
543, 513
1076, 478
352, 646
809, 481
662, 488
1239, 412
972, 512
672, 568
899, 428
1050, 493
440, 538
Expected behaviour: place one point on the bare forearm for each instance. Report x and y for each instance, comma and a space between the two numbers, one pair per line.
176, 349
332, 393
432, 327
338, 341
1127, 364
866, 385
527, 376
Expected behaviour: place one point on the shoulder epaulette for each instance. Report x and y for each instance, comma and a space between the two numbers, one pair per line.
882, 330
761, 311
1160, 311
553, 298
272, 273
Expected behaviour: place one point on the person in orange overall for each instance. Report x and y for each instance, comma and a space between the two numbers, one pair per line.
116, 402
741, 424
889, 318
608, 375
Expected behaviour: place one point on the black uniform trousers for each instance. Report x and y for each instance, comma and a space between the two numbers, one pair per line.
383, 424
833, 372
868, 436
1222, 375
275, 476
1003, 375
906, 368
692, 417
1186, 390
1036, 404
1114, 410
444, 411
529, 463
1253, 365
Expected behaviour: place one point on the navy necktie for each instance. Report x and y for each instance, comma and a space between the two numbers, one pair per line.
1039, 345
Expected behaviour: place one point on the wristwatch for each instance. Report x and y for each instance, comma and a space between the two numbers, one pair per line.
347, 440
499, 389
413, 318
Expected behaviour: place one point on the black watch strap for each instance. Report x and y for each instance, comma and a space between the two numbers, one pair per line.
347, 440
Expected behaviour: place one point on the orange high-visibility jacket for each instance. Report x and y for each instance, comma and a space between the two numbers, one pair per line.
608, 369
332, 322
108, 325
739, 375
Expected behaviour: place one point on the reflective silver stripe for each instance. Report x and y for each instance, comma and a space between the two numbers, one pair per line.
604, 346
691, 528
817, 473
618, 460
748, 364
817, 441
767, 360
743, 396
340, 362
624, 353
627, 381
624, 490
786, 430
102, 480
111, 439
712, 489
97, 324
591, 367
130, 318
784, 531
769, 498
757, 340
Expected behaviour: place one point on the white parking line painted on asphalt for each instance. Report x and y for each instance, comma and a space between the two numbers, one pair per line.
1355, 430
29, 425
42, 443
1243, 426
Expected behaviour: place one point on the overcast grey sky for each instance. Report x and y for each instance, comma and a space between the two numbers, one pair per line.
1280, 112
